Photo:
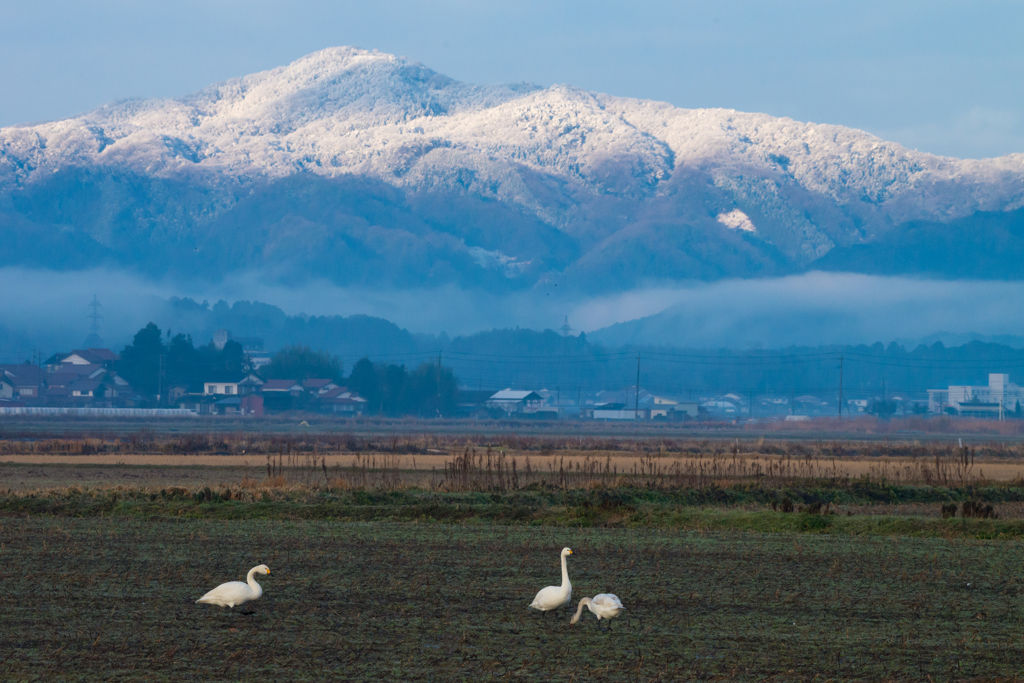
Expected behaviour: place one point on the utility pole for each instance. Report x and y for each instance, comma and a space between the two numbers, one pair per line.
751, 406
636, 406
439, 383
160, 382
840, 386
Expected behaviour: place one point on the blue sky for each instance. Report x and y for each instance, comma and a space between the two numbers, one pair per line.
942, 77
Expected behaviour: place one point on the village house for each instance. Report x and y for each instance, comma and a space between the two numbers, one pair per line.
88, 388
656, 407
6, 387
318, 387
342, 401
102, 357
232, 384
281, 386
515, 401
27, 380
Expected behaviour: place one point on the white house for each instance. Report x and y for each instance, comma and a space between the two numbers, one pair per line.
657, 406
235, 386
512, 401
6, 386
342, 400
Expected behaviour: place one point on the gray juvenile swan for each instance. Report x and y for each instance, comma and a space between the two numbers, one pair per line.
235, 592
604, 605
554, 597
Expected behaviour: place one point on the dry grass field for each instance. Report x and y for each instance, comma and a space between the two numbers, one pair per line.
688, 464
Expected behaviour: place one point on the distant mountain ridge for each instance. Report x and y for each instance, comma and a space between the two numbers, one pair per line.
367, 168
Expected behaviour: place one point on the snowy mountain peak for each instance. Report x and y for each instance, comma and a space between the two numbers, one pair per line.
600, 171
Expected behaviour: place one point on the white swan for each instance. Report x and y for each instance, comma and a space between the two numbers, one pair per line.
554, 597
235, 592
604, 605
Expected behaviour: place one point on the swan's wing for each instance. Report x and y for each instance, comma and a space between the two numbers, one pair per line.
228, 594
608, 600
549, 598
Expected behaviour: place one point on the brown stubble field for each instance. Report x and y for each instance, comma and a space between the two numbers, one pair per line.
694, 466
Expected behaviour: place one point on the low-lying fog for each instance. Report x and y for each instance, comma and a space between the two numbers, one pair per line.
48, 311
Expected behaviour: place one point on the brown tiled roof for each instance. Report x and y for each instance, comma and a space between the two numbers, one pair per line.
23, 375
62, 379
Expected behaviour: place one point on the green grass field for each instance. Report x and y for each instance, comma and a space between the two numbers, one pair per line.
101, 598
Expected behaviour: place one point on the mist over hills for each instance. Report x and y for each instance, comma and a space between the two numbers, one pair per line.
576, 364
366, 169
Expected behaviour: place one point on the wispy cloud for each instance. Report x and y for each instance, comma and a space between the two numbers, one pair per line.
816, 308
51, 309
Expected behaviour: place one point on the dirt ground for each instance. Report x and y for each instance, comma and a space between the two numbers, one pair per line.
22, 477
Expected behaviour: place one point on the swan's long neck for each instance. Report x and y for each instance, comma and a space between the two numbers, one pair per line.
251, 579
579, 610
565, 575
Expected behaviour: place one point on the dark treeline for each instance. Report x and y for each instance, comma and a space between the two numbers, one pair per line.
152, 364
427, 391
530, 359
301, 362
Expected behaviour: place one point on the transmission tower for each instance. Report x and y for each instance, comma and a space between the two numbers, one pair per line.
94, 340
565, 329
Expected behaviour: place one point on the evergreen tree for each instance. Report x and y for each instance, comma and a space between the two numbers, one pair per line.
365, 382
140, 360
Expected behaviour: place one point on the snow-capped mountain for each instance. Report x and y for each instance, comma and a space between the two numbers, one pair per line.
348, 159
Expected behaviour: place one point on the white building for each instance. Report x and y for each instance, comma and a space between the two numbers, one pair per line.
233, 386
512, 401
1000, 396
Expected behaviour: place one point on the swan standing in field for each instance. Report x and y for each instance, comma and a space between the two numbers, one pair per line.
235, 592
604, 605
554, 597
